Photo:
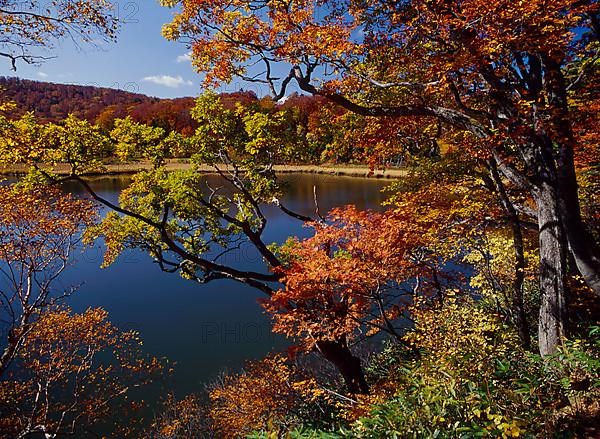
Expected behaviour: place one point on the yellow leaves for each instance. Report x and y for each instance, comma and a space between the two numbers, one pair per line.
459, 333
494, 262
507, 427
71, 367
260, 398
74, 142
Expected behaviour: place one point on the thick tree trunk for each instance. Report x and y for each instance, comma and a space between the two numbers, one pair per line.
585, 251
349, 366
553, 313
583, 248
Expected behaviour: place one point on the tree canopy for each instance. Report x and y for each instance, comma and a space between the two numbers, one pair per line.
493, 80
494, 104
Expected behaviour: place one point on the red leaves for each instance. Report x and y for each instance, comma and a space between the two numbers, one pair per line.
335, 278
359, 271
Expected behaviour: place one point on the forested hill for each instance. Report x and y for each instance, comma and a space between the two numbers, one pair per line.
53, 102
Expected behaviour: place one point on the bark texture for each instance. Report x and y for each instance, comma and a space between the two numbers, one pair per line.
553, 267
349, 366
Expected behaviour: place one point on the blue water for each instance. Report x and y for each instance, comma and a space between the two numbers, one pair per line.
203, 329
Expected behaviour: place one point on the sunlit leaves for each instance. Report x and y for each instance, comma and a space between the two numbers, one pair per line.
74, 142
73, 370
40, 224
347, 276
268, 395
39, 231
229, 35
135, 141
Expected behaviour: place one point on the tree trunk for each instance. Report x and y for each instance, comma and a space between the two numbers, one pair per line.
518, 305
553, 313
585, 251
582, 246
349, 366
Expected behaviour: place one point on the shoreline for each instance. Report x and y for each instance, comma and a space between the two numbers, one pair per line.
132, 168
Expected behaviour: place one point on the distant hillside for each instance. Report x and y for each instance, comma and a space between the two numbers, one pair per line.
52, 102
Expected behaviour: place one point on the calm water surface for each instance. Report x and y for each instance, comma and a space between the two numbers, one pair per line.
203, 329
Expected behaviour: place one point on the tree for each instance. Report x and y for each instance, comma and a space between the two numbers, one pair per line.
30, 27
351, 278
60, 372
39, 230
187, 226
76, 141
266, 395
134, 140
493, 76
74, 372
360, 272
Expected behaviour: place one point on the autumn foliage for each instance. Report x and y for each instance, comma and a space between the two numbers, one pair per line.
493, 230
270, 394
73, 373
60, 372
345, 276
39, 230
31, 28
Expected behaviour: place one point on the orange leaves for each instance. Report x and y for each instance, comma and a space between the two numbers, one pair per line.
183, 419
60, 342
261, 397
73, 368
253, 30
39, 229
335, 279
218, 59
361, 269
323, 41
40, 222
496, 29
447, 35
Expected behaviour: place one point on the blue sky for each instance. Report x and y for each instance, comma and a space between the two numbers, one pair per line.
140, 61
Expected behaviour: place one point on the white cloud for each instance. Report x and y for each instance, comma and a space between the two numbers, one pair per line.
42, 75
184, 58
168, 81
283, 100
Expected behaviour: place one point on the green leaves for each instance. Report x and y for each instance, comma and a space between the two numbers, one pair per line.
135, 141
74, 142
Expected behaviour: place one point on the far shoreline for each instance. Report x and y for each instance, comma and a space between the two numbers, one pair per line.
357, 171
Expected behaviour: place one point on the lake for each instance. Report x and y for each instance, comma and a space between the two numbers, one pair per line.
203, 329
